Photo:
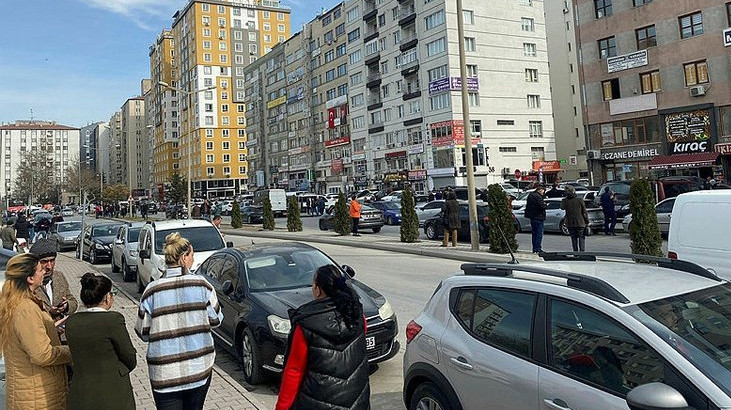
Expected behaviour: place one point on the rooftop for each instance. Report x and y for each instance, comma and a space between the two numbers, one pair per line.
36, 125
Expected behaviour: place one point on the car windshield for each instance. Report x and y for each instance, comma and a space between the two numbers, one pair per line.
134, 234
105, 230
698, 326
203, 238
392, 205
290, 270
620, 189
523, 196
69, 227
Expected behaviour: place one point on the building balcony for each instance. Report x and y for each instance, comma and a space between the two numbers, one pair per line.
373, 80
370, 12
374, 58
413, 121
370, 35
409, 42
410, 67
407, 15
374, 103
411, 93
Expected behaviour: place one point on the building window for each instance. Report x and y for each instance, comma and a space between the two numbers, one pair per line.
691, 25
434, 20
435, 47
529, 49
646, 37
696, 73
651, 82
508, 149
535, 129
610, 89
226, 157
638, 3
438, 73
439, 102
469, 16
607, 47
226, 170
534, 101
209, 158
469, 44
728, 13
527, 24
474, 99
505, 122
471, 70
531, 75
603, 8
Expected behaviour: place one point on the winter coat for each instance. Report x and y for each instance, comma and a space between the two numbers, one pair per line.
337, 363
607, 200
535, 207
103, 358
7, 234
22, 228
576, 215
35, 361
450, 215
355, 208
60, 288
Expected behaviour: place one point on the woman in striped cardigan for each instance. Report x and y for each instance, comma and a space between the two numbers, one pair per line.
176, 315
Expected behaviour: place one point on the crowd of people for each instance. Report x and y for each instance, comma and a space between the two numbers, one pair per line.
21, 230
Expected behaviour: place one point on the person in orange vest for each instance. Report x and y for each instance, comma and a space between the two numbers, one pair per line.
355, 214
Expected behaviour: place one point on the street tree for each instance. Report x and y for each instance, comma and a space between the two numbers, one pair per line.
294, 220
644, 232
35, 178
267, 214
178, 192
500, 215
343, 222
236, 216
81, 178
409, 220
116, 192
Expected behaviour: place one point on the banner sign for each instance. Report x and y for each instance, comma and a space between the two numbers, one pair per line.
627, 61
453, 84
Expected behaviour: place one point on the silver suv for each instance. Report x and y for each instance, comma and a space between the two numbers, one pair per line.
124, 250
578, 331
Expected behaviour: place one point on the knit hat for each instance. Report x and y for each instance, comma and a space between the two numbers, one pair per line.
44, 248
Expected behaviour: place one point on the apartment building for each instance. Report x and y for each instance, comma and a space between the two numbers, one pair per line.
116, 154
103, 137
566, 89
656, 79
213, 41
59, 142
89, 144
134, 146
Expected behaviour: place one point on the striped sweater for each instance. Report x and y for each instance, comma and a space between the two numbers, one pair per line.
176, 315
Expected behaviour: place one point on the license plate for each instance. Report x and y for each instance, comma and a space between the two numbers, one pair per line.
370, 342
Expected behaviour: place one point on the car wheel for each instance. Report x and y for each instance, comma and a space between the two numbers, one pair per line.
431, 232
562, 226
322, 225
376, 230
389, 221
92, 257
251, 359
78, 253
115, 268
127, 274
428, 397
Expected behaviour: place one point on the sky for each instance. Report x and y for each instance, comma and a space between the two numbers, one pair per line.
77, 61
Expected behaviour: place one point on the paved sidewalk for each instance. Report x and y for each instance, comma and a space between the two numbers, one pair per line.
224, 393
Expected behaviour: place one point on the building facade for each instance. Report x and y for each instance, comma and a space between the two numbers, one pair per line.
116, 154
134, 146
656, 80
102, 152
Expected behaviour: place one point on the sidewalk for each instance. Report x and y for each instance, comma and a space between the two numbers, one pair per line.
224, 393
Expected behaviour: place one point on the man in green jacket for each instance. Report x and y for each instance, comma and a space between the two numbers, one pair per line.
577, 219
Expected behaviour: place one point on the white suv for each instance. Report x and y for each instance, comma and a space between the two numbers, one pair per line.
205, 238
576, 331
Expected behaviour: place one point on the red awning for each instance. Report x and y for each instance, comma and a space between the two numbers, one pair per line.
704, 159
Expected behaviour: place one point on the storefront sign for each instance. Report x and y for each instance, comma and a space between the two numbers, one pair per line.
336, 165
396, 177
689, 147
727, 37
337, 142
397, 154
630, 154
627, 61
416, 149
417, 175
546, 166
688, 132
724, 149
453, 84
434, 172
359, 157
449, 134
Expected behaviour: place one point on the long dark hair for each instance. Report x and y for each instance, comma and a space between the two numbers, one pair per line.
330, 280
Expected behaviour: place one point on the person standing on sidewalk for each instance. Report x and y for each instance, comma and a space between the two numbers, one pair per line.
176, 315
35, 360
22, 229
7, 235
450, 219
102, 350
355, 208
610, 214
54, 292
326, 365
535, 210
576, 219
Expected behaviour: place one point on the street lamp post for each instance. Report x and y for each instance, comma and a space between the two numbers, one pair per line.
190, 138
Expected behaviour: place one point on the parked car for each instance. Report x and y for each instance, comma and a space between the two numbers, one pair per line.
521, 185
393, 196
433, 228
522, 199
621, 197
67, 212
572, 332
391, 211
555, 218
65, 234
698, 232
251, 214
428, 210
370, 218
124, 251
462, 193
176, 211
663, 209
256, 287
205, 238
277, 197
97, 240
510, 189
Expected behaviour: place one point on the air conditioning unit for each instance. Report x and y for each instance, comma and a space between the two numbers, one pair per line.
697, 91
206, 24
593, 154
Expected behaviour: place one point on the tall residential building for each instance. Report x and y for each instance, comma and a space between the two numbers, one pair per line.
89, 145
116, 154
566, 89
59, 142
657, 83
213, 42
102, 152
134, 145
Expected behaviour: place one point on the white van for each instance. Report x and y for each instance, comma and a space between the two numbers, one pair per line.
698, 232
277, 197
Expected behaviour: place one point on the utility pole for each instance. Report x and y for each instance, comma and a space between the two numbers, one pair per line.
474, 229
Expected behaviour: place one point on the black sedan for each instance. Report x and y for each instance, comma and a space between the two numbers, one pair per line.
97, 242
251, 214
257, 285
433, 228
370, 218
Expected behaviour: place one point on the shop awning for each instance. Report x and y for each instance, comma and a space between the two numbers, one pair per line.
698, 160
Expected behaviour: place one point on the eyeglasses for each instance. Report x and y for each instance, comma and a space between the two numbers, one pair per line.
113, 292
48, 260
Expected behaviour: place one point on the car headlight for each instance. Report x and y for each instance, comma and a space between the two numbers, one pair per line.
624, 208
133, 252
69, 238
385, 311
279, 326
98, 246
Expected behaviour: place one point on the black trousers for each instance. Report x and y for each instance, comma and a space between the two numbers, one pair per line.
355, 225
191, 399
578, 238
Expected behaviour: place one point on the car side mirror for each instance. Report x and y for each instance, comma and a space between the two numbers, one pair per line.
227, 288
144, 254
653, 396
118, 242
349, 270
229, 244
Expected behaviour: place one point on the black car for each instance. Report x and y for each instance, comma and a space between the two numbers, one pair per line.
621, 197
257, 285
251, 214
433, 228
97, 242
370, 218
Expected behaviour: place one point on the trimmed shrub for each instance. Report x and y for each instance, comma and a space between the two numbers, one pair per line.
343, 223
644, 233
500, 214
409, 220
236, 222
268, 215
294, 222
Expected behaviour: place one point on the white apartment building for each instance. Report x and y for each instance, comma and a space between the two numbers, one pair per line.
134, 144
116, 154
59, 142
404, 91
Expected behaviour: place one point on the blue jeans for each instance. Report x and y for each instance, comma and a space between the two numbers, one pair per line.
536, 233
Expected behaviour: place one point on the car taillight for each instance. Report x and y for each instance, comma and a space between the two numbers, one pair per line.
672, 255
412, 329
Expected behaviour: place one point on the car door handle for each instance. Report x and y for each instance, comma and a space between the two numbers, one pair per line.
556, 404
461, 362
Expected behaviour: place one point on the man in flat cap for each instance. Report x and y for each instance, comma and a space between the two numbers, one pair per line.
55, 293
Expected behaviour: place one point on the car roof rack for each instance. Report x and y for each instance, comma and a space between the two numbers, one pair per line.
662, 262
586, 283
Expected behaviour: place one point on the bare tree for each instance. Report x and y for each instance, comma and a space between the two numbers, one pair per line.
79, 177
35, 178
